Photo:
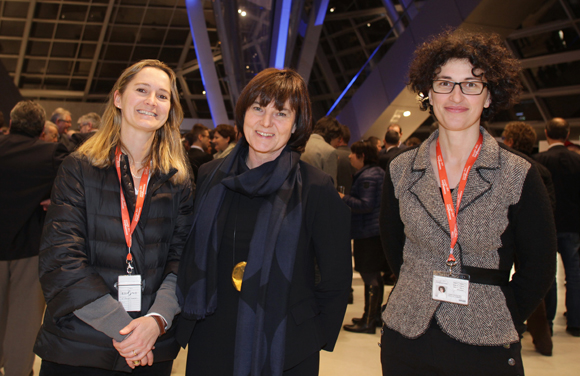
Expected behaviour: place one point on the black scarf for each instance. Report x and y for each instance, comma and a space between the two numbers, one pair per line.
261, 326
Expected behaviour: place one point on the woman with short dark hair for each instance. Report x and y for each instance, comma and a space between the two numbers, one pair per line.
455, 213
252, 301
223, 140
364, 201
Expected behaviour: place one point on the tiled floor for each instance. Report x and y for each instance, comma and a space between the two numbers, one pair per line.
358, 354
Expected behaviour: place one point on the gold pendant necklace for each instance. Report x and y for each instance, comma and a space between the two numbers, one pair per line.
238, 275
240, 267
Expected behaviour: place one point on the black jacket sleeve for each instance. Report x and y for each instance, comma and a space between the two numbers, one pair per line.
331, 241
68, 281
535, 241
392, 230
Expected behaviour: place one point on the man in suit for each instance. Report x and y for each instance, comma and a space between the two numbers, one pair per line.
198, 138
392, 139
28, 167
318, 150
50, 132
345, 171
88, 125
397, 128
63, 120
564, 166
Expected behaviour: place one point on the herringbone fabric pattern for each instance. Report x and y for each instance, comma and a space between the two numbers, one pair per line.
495, 183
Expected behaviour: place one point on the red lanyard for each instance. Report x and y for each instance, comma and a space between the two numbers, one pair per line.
451, 212
128, 225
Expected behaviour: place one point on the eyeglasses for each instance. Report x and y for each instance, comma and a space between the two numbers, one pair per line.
467, 88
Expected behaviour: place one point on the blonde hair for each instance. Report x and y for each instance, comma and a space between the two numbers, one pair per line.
166, 149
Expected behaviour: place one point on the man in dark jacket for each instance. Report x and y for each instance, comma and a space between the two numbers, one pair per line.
28, 167
198, 138
565, 168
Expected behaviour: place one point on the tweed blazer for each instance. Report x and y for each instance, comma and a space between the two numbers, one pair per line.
505, 213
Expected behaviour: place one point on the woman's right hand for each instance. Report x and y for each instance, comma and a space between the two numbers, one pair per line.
146, 361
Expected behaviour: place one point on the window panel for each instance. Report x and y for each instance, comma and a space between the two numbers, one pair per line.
42, 30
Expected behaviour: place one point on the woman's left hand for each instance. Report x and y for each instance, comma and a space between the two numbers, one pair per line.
144, 332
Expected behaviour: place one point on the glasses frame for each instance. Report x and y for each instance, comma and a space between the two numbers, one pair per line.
485, 84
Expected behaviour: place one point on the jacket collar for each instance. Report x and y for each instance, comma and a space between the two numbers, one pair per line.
426, 186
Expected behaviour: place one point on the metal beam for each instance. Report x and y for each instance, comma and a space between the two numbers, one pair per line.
206, 63
227, 28
187, 95
539, 29
558, 58
561, 91
293, 30
95, 61
410, 8
279, 39
570, 14
327, 72
24, 42
393, 17
311, 39
355, 14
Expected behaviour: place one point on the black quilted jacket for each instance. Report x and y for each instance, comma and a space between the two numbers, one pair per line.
83, 251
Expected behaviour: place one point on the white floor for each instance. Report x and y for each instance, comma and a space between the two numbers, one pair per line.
358, 354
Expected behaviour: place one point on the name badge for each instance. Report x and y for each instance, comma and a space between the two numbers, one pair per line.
451, 289
130, 292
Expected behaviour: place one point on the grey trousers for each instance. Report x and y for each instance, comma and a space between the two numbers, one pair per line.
21, 308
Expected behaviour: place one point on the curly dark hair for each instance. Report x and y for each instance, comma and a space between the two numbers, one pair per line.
522, 135
486, 52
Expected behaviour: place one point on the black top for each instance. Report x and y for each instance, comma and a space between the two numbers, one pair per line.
564, 165
211, 349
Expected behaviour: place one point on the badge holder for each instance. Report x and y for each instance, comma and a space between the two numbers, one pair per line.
130, 288
450, 288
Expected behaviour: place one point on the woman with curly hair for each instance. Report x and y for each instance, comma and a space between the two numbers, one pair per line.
455, 213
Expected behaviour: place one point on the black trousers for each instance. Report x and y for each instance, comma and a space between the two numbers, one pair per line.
55, 369
437, 354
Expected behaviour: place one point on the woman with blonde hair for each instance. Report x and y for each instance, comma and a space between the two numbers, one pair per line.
113, 236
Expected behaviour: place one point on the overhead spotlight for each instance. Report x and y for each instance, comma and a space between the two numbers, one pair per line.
239, 11
247, 67
407, 113
243, 13
368, 25
203, 92
331, 10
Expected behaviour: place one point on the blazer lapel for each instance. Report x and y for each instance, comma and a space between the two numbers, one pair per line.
425, 187
478, 182
427, 190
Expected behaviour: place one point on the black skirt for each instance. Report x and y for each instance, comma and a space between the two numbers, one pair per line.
368, 255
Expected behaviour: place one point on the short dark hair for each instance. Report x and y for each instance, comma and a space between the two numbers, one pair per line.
345, 133
27, 117
193, 135
392, 137
328, 127
557, 129
279, 86
522, 135
374, 141
391, 126
413, 141
485, 52
226, 130
366, 149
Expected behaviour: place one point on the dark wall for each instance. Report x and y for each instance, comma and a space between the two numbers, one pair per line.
9, 93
